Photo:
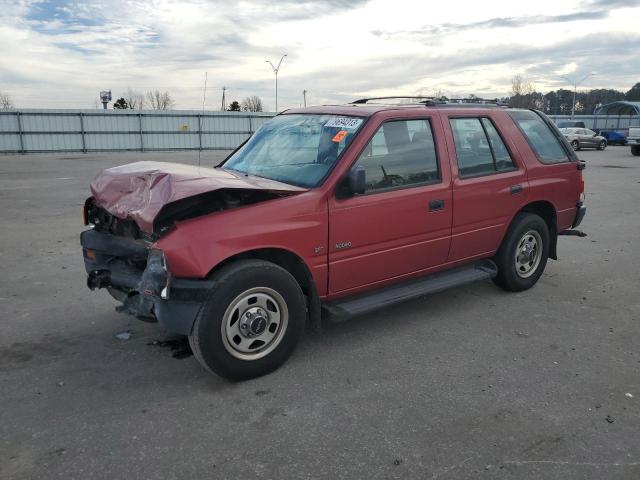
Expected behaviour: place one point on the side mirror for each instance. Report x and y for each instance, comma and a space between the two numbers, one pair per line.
357, 180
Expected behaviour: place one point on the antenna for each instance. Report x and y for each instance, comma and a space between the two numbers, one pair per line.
204, 97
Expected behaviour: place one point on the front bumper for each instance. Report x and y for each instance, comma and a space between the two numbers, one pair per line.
580, 213
135, 275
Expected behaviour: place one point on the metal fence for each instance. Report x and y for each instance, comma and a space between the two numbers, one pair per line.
35, 130
42, 130
601, 122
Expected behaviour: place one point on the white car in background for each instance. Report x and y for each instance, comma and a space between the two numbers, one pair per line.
634, 140
584, 138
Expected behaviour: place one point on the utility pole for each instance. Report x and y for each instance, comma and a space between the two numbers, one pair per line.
575, 88
304, 97
224, 100
275, 70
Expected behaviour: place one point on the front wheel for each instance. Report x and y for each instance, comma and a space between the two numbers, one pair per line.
523, 254
575, 145
602, 145
252, 321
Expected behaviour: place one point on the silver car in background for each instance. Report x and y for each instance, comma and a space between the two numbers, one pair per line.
584, 138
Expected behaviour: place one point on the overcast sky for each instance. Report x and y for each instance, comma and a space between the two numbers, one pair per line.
60, 53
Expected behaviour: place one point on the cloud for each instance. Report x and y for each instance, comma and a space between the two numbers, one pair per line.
63, 52
498, 22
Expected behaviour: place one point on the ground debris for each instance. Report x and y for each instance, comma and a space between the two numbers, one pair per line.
609, 419
124, 336
179, 346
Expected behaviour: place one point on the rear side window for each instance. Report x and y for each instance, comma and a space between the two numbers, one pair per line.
479, 148
544, 143
400, 154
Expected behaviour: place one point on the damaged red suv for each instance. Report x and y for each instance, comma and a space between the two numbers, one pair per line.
331, 212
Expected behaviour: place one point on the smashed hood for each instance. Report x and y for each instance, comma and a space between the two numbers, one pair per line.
138, 191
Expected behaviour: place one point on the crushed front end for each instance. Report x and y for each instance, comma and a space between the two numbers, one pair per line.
121, 258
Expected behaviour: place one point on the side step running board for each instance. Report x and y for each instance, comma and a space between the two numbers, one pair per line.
384, 297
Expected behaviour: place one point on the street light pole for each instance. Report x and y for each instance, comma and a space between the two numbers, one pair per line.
575, 88
275, 70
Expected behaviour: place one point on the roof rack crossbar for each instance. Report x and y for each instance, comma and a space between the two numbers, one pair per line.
366, 100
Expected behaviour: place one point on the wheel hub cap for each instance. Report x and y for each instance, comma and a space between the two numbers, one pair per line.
528, 254
254, 323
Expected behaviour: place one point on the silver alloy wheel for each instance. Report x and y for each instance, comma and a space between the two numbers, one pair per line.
575, 145
254, 323
528, 254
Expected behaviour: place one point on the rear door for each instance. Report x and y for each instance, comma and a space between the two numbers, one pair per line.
402, 223
489, 183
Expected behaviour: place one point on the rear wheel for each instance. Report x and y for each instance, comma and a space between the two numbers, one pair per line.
252, 321
635, 150
575, 145
523, 254
602, 145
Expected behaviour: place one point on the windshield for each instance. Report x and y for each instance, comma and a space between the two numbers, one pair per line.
295, 149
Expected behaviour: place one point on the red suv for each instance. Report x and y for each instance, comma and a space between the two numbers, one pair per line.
331, 212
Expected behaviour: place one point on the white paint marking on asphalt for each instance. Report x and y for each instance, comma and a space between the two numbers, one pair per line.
22, 187
65, 178
561, 462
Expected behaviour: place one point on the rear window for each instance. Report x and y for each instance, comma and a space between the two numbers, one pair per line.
542, 140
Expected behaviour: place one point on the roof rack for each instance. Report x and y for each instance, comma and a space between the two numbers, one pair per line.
432, 101
362, 101
476, 101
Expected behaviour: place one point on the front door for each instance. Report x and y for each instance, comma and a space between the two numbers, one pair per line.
402, 223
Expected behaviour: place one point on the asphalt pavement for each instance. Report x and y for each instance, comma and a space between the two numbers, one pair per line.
466, 384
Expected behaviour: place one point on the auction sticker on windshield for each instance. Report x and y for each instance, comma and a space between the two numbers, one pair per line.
344, 122
339, 136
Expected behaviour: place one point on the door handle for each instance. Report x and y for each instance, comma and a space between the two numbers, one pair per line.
436, 205
516, 189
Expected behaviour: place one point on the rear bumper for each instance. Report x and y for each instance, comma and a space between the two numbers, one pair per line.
580, 213
145, 288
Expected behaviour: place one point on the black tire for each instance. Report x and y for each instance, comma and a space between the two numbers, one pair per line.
635, 150
232, 281
508, 277
602, 145
575, 145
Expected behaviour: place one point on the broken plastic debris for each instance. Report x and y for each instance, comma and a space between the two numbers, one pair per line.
123, 335
628, 395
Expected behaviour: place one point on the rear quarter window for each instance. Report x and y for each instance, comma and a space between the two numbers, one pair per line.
543, 141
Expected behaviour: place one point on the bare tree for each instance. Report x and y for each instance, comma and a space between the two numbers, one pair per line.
158, 100
433, 92
252, 104
522, 93
5, 101
521, 86
134, 99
